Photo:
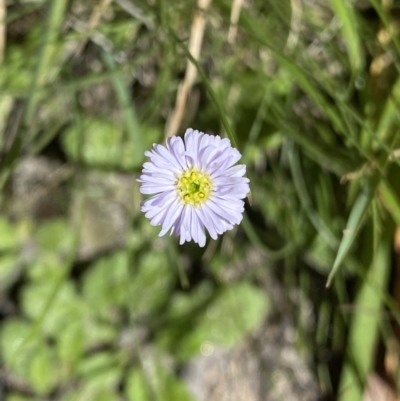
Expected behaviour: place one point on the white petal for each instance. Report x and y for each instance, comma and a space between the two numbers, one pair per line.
175, 210
150, 189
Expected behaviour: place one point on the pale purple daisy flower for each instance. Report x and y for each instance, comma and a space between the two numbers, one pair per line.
196, 186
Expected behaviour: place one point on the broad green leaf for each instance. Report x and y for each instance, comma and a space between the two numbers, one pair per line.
184, 305
36, 364
235, 312
157, 383
17, 80
137, 387
70, 346
150, 283
103, 143
8, 235
13, 332
99, 372
51, 234
106, 284
46, 267
97, 363
65, 309
43, 373
100, 143
98, 332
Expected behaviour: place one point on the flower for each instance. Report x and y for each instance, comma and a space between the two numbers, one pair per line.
196, 186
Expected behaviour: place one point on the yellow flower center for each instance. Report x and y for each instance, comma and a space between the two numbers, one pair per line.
194, 187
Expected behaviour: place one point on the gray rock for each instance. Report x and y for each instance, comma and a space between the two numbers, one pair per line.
267, 367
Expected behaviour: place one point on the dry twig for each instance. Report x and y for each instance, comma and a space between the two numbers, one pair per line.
367, 169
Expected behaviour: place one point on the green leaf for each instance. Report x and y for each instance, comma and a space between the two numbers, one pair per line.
106, 284
184, 305
45, 268
158, 383
137, 388
35, 364
43, 374
17, 397
98, 332
100, 371
51, 233
13, 332
65, 309
103, 143
235, 312
150, 284
96, 363
70, 346
8, 235
238, 310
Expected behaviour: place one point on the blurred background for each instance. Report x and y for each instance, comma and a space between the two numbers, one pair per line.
300, 302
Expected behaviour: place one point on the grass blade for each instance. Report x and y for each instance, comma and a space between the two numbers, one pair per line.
344, 11
54, 21
390, 200
365, 323
130, 119
354, 223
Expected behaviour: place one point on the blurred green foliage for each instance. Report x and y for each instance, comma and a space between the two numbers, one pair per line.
93, 305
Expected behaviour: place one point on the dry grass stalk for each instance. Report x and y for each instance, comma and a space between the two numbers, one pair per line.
195, 42
2, 29
295, 25
94, 20
235, 13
